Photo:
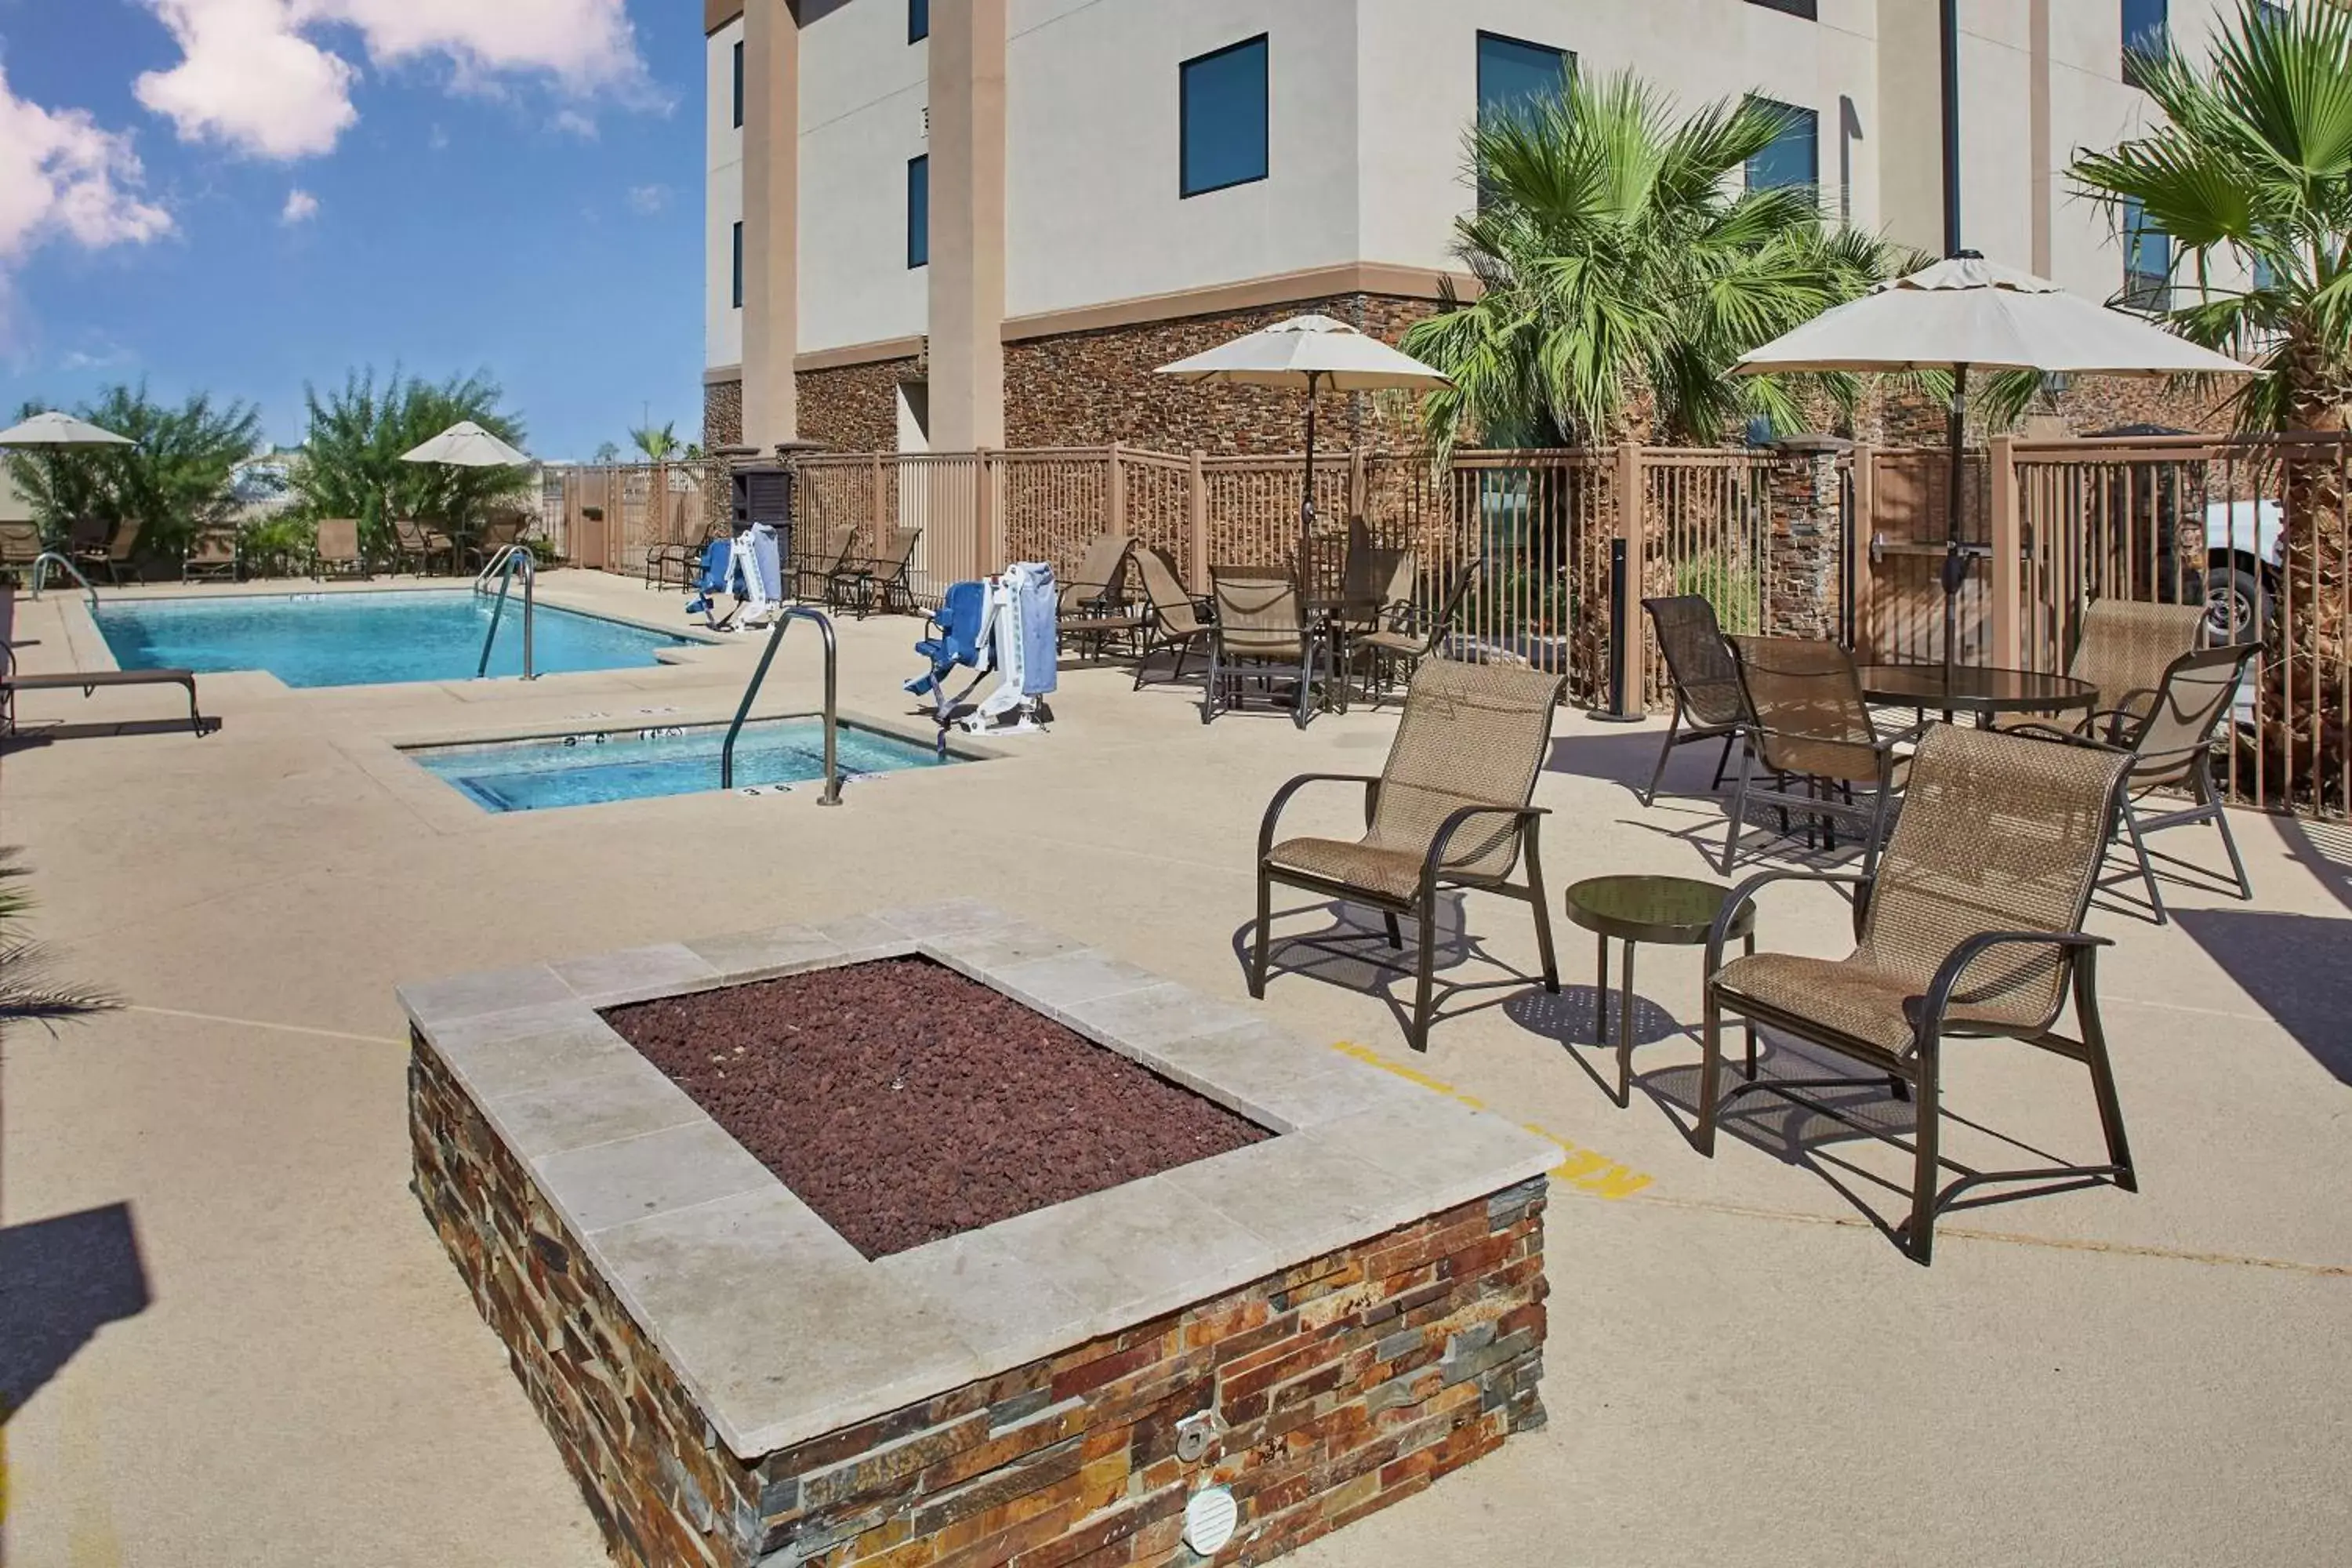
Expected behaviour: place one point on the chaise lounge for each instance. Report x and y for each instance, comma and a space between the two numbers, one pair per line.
89, 681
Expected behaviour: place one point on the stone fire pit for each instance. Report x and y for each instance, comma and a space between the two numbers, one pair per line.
1320, 1324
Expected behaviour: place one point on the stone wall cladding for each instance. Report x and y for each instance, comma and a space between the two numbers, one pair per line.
722, 414
1089, 389
1801, 573
855, 408
1346, 1383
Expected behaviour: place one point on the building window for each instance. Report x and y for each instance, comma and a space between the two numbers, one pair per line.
919, 20
919, 211
1805, 9
2147, 32
1223, 118
1514, 74
2271, 12
1794, 157
2147, 261
739, 87
739, 267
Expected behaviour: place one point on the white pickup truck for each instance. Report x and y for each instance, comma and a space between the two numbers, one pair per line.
2244, 545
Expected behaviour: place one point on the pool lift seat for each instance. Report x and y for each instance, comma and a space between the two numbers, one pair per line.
1003, 626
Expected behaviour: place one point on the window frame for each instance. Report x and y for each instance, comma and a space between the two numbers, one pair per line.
739, 264
2161, 31
1185, 190
1810, 115
918, 231
919, 20
1566, 58
739, 84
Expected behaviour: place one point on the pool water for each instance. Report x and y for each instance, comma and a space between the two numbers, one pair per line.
365, 638
591, 768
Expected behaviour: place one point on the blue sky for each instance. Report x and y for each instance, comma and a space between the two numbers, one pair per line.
245, 195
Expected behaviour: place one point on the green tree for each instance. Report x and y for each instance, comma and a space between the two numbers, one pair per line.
179, 479
26, 992
658, 445
351, 463
1619, 258
2252, 165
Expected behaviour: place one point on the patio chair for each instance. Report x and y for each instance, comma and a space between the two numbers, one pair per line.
1971, 926
884, 577
86, 539
97, 546
1093, 607
1809, 724
2125, 649
822, 562
674, 562
338, 548
500, 529
1407, 634
1173, 618
2171, 749
1708, 703
1452, 808
213, 556
20, 547
414, 545
1261, 620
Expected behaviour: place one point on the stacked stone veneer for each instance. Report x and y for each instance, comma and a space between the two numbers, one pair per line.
1340, 1384
722, 414
855, 408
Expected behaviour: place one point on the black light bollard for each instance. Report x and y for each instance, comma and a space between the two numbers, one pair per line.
1620, 626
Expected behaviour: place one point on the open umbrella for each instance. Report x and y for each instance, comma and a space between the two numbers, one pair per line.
1313, 353
466, 444
55, 429
1967, 313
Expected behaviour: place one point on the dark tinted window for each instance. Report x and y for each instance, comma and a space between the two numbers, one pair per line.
739, 87
1804, 8
2146, 25
2147, 260
1794, 158
919, 20
738, 265
919, 211
1513, 73
1222, 111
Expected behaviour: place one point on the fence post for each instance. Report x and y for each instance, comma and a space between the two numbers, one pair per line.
984, 517
2007, 534
1356, 506
1115, 495
1861, 529
1626, 639
1198, 498
881, 512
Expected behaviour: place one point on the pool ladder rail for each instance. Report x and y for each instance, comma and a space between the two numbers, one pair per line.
831, 795
48, 558
506, 563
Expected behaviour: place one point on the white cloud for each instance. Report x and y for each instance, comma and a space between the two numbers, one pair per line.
650, 199
106, 356
63, 176
574, 123
301, 207
257, 77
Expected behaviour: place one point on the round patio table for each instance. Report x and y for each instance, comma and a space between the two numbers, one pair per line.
1974, 688
1677, 911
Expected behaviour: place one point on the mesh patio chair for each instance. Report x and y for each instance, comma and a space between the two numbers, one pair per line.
882, 578
20, 547
1809, 726
1091, 604
1407, 634
821, 562
2170, 749
338, 548
97, 546
211, 556
1452, 808
500, 529
2125, 649
1971, 926
1708, 703
416, 544
1261, 620
673, 561
1174, 619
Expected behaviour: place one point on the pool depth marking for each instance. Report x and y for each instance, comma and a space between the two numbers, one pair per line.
1588, 1170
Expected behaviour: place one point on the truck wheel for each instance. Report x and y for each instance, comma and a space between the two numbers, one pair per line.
2236, 604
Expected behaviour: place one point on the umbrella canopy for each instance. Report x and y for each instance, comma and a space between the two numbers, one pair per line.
61, 430
466, 444
1969, 312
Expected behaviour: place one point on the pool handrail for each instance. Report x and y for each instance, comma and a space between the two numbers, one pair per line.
495, 566
513, 558
48, 558
831, 795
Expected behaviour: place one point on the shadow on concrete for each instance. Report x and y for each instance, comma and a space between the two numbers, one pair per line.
1350, 950
1572, 1020
2294, 966
29, 737
61, 1281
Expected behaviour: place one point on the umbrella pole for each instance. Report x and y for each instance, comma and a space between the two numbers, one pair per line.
1307, 502
1955, 560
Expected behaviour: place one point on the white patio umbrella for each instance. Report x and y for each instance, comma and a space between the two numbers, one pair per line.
1313, 353
1966, 313
53, 429
466, 444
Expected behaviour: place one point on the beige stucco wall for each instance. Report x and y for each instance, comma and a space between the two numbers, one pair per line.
722, 200
863, 90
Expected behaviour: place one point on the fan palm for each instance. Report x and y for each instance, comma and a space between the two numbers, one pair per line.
2254, 166
27, 993
1618, 256
658, 445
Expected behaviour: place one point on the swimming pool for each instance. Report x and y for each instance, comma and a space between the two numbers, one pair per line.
596, 766
364, 638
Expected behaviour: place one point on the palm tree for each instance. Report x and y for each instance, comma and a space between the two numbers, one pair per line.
658, 445
26, 993
1619, 255
2253, 166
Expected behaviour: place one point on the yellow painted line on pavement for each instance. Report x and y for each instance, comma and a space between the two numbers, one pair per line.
1587, 1170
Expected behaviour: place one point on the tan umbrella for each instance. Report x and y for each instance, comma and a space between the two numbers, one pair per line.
55, 429
466, 444
1313, 353
1967, 313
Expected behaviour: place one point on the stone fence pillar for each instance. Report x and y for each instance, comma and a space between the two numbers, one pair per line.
1803, 544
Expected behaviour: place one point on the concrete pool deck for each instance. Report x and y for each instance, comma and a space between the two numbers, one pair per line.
234, 1338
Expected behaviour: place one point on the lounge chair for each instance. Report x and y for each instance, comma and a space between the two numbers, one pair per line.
816, 569
86, 539
1261, 620
883, 578
500, 529
2169, 747
674, 560
1407, 634
88, 682
213, 555
338, 548
1709, 702
2124, 650
416, 544
1810, 723
1970, 926
1452, 808
20, 547
96, 547
1092, 604
1173, 618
